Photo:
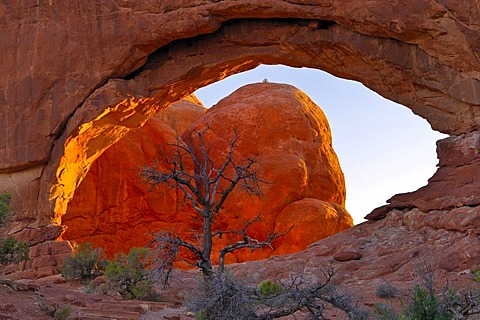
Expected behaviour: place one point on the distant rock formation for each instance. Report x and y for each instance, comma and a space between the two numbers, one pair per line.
290, 137
277, 124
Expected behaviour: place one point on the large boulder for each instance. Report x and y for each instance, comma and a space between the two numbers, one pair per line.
85, 73
290, 139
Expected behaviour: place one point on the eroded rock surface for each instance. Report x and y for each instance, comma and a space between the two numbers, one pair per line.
304, 181
113, 208
423, 54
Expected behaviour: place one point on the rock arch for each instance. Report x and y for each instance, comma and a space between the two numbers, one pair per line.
123, 62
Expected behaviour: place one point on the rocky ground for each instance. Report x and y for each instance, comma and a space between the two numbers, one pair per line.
392, 250
42, 299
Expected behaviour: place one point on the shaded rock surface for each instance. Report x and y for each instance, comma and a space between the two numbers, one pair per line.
35, 299
304, 185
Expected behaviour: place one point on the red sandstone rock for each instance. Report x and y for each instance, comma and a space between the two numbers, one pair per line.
290, 138
422, 54
456, 182
113, 208
182, 114
347, 255
419, 53
312, 219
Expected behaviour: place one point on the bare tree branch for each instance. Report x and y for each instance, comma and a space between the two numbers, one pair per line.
246, 241
207, 187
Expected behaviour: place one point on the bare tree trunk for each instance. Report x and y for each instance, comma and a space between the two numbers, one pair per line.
206, 263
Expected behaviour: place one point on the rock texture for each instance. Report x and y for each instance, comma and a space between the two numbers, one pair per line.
304, 181
77, 76
422, 54
114, 209
180, 115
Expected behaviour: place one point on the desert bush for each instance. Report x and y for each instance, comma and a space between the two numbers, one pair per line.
85, 263
268, 288
424, 305
223, 298
12, 251
201, 315
128, 275
384, 312
63, 313
475, 274
425, 302
5, 210
463, 304
386, 291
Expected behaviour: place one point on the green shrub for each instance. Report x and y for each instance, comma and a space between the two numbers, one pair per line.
475, 274
425, 305
12, 251
128, 275
5, 210
201, 315
386, 291
62, 314
85, 263
269, 288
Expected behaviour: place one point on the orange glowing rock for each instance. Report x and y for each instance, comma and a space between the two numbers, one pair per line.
182, 114
112, 207
277, 124
290, 137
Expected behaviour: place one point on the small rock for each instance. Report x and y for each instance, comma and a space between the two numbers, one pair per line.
98, 281
69, 297
347, 255
79, 303
8, 307
26, 286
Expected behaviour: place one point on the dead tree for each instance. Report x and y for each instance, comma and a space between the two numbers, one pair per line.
207, 188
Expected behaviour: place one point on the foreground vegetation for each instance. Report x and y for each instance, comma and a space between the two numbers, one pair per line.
425, 302
227, 297
221, 295
11, 250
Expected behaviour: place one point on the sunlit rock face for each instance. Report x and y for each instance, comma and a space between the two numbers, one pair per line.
289, 136
113, 208
276, 124
180, 115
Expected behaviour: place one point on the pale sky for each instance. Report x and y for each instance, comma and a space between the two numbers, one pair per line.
383, 148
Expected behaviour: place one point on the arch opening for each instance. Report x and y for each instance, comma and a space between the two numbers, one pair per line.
383, 148
297, 163
163, 80
113, 214
180, 68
